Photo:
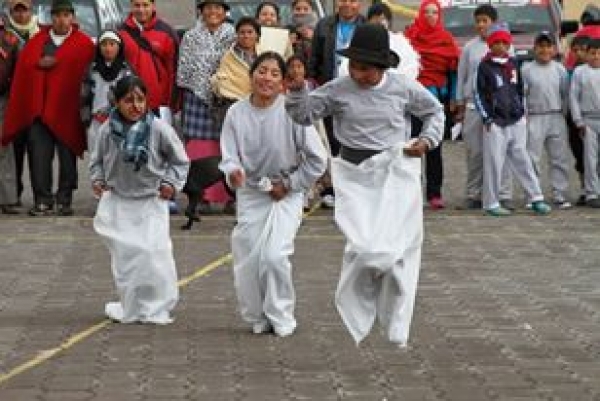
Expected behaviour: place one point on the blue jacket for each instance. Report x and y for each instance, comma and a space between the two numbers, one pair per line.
499, 92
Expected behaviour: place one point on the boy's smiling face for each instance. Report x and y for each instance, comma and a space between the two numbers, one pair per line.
544, 52
482, 24
499, 48
593, 57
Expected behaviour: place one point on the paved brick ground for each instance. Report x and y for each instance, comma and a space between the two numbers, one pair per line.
508, 309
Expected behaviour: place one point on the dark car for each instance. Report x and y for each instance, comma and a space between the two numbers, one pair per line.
526, 19
92, 15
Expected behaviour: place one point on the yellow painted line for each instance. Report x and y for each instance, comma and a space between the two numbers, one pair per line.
45, 355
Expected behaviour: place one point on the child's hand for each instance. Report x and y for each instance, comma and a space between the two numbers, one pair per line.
237, 178
166, 191
417, 148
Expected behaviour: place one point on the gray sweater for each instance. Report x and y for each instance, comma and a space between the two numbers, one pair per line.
584, 98
546, 87
167, 163
372, 118
267, 143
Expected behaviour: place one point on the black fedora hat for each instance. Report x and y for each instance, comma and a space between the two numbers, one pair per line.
370, 44
201, 3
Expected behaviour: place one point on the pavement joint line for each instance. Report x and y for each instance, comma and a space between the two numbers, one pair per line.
46, 355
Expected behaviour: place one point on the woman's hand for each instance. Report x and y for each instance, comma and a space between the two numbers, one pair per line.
417, 148
166, 191
279, 191
237, 178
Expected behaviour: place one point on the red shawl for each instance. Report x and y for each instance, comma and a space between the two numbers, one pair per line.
436, 46
51, 95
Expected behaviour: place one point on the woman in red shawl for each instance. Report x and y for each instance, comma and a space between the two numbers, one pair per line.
439, 60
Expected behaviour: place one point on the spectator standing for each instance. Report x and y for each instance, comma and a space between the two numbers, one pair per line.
584, 100
151, 48
16, 28
136, 166
270, 161
546, 86
202, 49
44, 99
273, 36
304, 21
331, 34
108, 67
439, 60
377, 179
500, 102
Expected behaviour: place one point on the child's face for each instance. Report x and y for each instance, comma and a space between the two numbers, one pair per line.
499, 48
593, 58
268, 16
580, 53
544, 52
301, 8
247, 37
482, 24
109, 49
296, 70
132, 106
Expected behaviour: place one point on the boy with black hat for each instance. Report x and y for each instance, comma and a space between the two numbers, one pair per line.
546, 86
584, 100
376, 178
499, 100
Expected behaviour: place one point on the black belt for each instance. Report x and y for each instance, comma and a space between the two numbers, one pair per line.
357, 156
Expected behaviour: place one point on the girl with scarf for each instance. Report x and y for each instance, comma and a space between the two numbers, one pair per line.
108, 67
270, 161
202, 49
137, 164
439, 61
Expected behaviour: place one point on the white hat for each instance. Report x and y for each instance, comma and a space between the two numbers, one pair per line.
112, 35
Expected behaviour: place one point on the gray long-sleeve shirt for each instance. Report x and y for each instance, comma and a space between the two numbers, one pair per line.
584, 97
372, 118
546, 87
265, 142
167, 163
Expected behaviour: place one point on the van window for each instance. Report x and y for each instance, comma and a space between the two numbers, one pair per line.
521, 19
85, 15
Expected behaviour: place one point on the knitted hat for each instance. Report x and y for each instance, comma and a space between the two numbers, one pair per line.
14, 3
370, 44
499, 32
109, 34
62, 5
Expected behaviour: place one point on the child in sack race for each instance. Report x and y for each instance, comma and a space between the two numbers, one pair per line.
137, 164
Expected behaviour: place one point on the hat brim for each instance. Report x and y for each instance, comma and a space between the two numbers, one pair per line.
217, 2
389, 60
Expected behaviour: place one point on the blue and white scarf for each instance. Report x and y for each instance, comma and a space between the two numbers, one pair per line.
132, 138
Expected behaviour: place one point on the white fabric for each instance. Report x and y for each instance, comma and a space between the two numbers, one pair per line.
378, 207
136, 232
261, 242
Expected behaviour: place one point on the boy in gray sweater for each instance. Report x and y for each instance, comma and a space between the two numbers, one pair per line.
584, 100
545, 83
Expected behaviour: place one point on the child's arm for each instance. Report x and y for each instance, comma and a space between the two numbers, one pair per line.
575, 97
564, 88
482, 94
231, 164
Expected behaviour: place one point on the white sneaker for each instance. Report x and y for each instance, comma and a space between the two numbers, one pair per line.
562, 205
284, 331
262, 327
114, 311
328, 201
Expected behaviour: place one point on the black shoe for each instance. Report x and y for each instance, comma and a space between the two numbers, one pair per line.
593, 203
508, 204
8, 209
65, 210
41, 210
580, 201
474, 204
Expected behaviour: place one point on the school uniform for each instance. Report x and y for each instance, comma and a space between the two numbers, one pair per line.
584, 101
134, 221
546, 98
267, 145
499, 101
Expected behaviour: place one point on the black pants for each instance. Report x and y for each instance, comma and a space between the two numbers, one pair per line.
334, 145
20, 147
434, 166
41, 147
576, 144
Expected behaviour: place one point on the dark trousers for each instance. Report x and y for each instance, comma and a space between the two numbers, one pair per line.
41, 147
576, 144
20, 147
334, 145
434, 166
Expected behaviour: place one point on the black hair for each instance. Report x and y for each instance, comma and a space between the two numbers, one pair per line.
269, 55
580, 41
265, 4
590, 16
486, 10
378, 9
593, 44
294, 2
293, 58
126, 85
248, 21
